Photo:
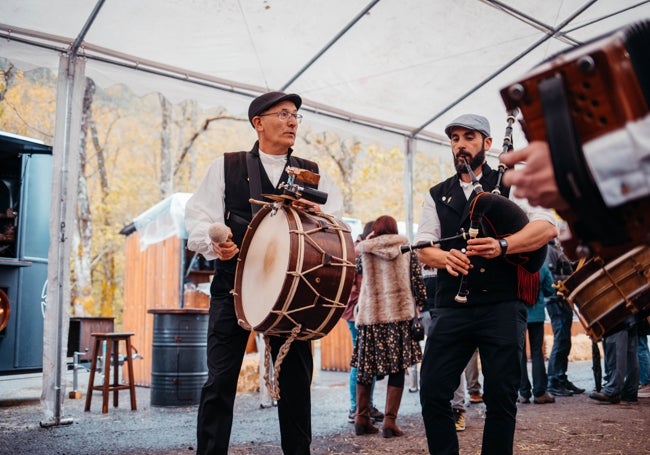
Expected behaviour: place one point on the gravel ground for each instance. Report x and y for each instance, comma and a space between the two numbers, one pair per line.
574, 425
155, 429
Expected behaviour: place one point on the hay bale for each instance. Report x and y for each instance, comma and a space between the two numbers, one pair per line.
249, 375
580, 347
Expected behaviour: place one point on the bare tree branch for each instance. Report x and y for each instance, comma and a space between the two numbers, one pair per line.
198, 133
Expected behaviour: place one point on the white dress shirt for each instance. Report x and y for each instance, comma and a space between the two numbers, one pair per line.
206, 206
620, 162
429, 229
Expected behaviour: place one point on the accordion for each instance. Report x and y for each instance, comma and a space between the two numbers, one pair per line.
607, 82
577, 96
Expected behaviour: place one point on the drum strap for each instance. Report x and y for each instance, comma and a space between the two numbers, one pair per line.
573, 179
254, 179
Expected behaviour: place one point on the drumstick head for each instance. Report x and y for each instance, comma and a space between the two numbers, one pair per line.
218, 232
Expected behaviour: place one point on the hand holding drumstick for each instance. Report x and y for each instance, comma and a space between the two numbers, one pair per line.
222, 245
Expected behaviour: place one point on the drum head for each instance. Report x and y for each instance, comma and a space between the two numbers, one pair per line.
267, 261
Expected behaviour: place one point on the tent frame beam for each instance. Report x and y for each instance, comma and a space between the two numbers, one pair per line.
505, 66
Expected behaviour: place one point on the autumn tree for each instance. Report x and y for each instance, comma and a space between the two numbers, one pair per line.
135, 150
343, 153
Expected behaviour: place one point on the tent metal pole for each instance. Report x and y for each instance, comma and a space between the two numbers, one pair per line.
527, 19
65, 169
408, 176
63, 209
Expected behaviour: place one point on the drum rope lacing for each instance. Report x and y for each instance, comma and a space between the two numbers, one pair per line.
274, 389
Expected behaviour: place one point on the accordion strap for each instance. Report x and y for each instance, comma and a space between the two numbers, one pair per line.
571, 171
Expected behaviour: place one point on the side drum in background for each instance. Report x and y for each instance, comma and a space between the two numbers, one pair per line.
606, 294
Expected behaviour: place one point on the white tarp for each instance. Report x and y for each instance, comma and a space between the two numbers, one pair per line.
403, 62
163, 220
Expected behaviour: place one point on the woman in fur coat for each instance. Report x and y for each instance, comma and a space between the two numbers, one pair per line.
386, 308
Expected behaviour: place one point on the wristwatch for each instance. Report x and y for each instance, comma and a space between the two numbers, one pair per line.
504, 246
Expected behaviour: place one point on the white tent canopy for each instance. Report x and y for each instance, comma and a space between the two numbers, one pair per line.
389, 70
408, 65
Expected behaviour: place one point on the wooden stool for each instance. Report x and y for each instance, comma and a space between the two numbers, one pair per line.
112, 349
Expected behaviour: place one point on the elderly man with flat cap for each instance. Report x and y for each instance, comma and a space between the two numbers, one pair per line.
493, 319
217, 216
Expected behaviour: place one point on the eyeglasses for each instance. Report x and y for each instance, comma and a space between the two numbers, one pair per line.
284, 115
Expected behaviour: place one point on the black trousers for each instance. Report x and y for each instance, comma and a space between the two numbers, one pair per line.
498, 331
226, 349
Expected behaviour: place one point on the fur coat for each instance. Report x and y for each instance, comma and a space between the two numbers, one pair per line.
385, 294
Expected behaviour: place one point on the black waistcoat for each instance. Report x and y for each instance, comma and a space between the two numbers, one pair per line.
492, 280
238, 210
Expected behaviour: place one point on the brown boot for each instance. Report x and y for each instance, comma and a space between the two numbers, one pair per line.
362, 422
389, 427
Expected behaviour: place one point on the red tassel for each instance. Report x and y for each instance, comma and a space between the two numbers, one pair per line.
527, 285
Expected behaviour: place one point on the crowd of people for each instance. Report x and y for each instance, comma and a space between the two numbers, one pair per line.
477, 295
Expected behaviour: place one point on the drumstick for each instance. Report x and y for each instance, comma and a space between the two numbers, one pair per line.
218, 232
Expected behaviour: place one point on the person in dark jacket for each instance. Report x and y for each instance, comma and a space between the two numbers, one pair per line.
221, 205
560, 312
493, 319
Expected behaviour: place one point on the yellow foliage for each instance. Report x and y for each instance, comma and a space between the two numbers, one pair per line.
372, 178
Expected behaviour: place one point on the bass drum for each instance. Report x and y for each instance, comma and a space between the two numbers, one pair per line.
294, 273
608, 293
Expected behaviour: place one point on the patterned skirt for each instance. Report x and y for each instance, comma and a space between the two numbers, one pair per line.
383, 349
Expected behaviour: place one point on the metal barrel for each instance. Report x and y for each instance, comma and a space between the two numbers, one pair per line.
179, 360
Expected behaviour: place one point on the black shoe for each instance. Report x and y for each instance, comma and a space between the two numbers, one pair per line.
574, 388
560, 391
604, 398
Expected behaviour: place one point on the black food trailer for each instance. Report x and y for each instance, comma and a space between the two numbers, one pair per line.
25, 189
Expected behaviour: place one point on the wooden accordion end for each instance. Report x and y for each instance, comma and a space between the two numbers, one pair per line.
578, 96
569, 100
607, 81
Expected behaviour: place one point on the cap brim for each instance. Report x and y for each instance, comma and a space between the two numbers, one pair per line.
295, 99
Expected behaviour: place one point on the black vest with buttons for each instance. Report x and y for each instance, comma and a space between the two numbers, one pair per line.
490, 281
238, 214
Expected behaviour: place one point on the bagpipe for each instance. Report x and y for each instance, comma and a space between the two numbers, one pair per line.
569, 100
495, 215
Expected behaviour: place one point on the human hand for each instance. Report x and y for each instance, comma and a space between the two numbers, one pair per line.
457, 262
535, 180
225, 250
487, 247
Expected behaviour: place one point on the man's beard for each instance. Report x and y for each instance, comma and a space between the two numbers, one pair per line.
474, 163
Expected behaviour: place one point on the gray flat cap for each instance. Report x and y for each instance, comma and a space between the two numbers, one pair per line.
471, 122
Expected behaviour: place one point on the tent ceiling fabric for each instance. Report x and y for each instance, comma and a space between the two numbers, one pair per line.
405, 64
